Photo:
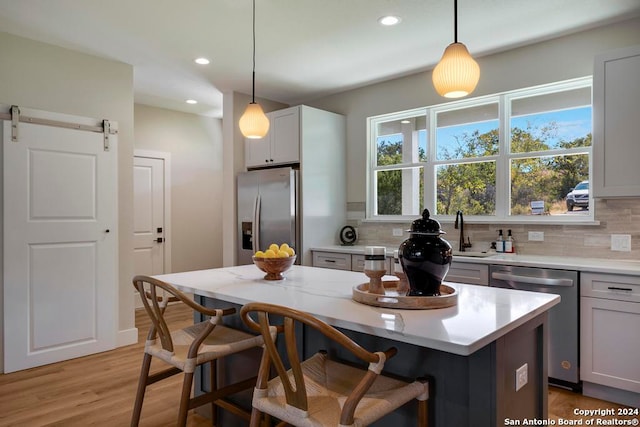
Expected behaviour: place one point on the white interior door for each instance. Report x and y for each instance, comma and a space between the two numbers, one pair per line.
148, 215
60, 245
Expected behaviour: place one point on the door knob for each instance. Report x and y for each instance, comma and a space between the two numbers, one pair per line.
159, 240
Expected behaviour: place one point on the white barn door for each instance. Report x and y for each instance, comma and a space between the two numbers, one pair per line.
60, 244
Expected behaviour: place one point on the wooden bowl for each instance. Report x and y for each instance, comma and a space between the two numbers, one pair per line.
274, 267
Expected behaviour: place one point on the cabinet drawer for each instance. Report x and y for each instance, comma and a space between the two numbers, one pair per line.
467, 272
333, 260
357, 263
610, 286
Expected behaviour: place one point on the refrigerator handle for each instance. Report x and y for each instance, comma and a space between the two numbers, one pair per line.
256, 224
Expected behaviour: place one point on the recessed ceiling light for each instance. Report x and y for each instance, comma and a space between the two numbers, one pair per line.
405, 121
389, 20
201, 61
191, 101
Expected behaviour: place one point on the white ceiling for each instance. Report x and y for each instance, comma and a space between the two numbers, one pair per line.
305, 48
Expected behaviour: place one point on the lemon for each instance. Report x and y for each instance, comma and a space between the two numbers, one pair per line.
284, 247
269, 253
275, 248
259, 254
290, 251
283, 254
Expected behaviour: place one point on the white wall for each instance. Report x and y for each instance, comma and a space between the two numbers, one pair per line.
195, 144
549, 61
45, 77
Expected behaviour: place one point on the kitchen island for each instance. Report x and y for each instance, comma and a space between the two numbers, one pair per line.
470, 352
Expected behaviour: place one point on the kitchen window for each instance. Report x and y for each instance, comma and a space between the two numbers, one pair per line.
515, 156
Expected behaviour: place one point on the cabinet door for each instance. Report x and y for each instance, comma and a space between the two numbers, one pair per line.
610, 343
257, 151
616, 102
285, 136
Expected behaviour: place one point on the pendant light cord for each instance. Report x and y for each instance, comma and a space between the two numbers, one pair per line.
455, 21
253, 79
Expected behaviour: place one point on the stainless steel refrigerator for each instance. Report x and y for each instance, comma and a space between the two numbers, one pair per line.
268, 211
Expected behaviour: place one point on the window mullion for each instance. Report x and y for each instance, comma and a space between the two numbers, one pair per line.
429, 175
503, 181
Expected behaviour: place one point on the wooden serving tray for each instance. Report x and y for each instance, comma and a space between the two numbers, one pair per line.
391, 298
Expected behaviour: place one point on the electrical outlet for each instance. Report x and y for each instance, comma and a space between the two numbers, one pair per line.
397, 232
522, 376
536, 236
621, 242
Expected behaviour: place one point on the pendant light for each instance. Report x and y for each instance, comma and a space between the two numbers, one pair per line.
457, 73
254, 124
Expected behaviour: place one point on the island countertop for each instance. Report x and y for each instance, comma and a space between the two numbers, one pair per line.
482, 315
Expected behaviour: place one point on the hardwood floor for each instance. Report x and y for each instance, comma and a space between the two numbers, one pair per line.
99, 390
95, 390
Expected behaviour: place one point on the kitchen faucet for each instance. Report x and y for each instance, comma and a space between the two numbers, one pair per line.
463, 245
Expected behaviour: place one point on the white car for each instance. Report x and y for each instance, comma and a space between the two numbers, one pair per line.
578, 196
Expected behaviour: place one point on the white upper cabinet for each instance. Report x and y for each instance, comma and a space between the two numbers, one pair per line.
616, 113
281, 145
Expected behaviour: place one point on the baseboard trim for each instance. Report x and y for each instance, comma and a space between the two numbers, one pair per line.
127, 337
603, 392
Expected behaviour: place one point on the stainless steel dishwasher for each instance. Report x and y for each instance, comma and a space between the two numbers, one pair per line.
564, 333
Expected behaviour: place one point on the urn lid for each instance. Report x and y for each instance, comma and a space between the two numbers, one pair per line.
426, 225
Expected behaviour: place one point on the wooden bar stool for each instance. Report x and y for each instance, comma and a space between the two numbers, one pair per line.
187, 348
319, 391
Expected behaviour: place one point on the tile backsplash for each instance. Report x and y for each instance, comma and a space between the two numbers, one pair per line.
615, 216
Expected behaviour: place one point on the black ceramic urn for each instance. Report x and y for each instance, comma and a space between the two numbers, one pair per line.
425, 257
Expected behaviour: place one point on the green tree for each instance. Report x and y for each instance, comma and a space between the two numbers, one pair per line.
389, 191
469, 187
389, 182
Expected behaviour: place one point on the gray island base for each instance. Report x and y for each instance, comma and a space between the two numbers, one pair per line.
470, 353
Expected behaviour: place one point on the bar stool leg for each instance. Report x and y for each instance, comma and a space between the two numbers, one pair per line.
213, 385
142, 387
184, 399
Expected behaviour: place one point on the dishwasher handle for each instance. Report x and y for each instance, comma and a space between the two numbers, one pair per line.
545, 281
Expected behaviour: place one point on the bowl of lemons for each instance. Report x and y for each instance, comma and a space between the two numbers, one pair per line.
275, 260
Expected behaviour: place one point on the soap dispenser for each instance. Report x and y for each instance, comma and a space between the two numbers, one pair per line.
509, 244
500, 242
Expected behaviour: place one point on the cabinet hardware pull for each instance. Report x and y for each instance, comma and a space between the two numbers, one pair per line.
615, 288
330, 260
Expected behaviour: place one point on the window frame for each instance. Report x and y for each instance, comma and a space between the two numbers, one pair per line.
502, 159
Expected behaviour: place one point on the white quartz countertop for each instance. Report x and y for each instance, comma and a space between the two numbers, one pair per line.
593, 265
482, 315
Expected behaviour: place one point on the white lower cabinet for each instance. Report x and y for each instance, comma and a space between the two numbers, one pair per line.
335, 260
468, 272
459, 272
343, 261
609, 337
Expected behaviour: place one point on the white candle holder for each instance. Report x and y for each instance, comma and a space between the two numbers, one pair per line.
375, 268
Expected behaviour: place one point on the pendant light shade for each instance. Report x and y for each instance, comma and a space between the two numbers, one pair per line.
254, 124
457, 73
